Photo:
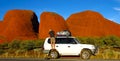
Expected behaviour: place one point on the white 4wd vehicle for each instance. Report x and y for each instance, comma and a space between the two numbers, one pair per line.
69, 46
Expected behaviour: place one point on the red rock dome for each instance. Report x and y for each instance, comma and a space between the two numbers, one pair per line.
50, 20
90, 23
20, 24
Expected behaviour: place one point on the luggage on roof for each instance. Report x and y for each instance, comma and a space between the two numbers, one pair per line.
64, 33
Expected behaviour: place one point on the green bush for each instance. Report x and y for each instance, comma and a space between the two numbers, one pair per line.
101, 41
4, 46
39, 43
24, 44
15, 44
87, 40
111, 41
2, 51
27, 45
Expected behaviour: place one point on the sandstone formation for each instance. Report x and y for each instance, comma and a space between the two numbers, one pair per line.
50, 20
20, 24
23, 24
90, 23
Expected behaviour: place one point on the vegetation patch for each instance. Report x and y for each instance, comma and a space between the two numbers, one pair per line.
109, 48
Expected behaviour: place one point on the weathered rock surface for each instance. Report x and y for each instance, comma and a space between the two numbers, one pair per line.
50, 20
23, 24
90, 23
20, 24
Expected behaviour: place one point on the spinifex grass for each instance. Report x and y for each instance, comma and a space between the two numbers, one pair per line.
32, 48
36, 53
107, 54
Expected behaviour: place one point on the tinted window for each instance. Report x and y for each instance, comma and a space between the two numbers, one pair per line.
64, 41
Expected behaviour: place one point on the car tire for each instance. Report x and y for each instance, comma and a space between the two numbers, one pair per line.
85, 54
53, 54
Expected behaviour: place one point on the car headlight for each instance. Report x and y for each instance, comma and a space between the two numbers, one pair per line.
93, 47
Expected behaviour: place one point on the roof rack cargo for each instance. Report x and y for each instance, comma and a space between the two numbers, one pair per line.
64, 33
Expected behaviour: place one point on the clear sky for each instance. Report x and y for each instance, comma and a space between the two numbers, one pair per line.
110, 9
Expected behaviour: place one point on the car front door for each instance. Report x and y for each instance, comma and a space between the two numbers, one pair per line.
67, 46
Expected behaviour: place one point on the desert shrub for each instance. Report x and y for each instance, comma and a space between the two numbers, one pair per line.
87, 40
4, 45
82, 40
115, 40
111, 41
101, 41
118, 43
27, 45
15, 44
2, 51
3, 48
39, 43
90, 41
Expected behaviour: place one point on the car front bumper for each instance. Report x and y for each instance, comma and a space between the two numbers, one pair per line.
95, 51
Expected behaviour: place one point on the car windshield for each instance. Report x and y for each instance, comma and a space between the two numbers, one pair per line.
77, 40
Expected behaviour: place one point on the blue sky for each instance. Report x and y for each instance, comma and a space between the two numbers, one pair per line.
110, 9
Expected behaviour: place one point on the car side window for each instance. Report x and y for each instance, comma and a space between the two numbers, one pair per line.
64, 41
57, 41
71, 41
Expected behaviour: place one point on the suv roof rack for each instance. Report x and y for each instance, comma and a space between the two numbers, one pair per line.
63, 36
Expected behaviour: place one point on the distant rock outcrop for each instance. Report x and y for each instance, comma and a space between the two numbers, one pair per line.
90, 23
20, 24
50, 20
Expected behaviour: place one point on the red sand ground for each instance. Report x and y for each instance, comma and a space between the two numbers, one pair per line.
50, 20
90, 23
20, 24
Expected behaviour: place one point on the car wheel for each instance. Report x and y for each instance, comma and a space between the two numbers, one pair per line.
53, 54
85, 54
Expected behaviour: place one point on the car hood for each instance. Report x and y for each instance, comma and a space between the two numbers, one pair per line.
87, 46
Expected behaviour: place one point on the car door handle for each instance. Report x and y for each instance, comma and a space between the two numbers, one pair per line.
56, 46
69, 46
